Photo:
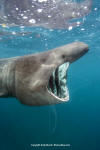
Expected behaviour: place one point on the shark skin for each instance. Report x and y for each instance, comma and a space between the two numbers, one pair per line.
27, 77
51, 14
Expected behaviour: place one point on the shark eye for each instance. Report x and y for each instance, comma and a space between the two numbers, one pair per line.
63, 56
57, 84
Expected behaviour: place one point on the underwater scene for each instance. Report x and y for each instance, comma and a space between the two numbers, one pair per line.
43, 29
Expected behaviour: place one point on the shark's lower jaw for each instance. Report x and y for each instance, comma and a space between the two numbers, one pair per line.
57, 84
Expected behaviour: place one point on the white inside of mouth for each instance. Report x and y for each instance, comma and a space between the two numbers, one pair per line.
57, 84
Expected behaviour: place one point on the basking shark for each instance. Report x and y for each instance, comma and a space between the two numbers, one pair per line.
39, 79
56, 14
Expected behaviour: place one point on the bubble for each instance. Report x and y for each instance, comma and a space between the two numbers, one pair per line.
49, 16
95, 9
21, 14
85, 7
14, 33
78, 23
39, 10
82, 29
5, 16
66, 3
16, 8
25, 17
22, 27
42, 1
32, 21
70, 28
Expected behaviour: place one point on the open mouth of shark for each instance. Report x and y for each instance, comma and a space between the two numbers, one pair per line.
57, 84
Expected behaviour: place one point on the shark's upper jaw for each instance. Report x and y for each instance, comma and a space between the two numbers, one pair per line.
57, 83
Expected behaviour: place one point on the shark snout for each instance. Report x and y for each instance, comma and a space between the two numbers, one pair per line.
77, 51
72, 52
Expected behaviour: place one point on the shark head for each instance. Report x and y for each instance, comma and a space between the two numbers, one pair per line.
40, 79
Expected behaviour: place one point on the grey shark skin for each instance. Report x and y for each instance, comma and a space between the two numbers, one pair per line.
29, 78
45, 13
